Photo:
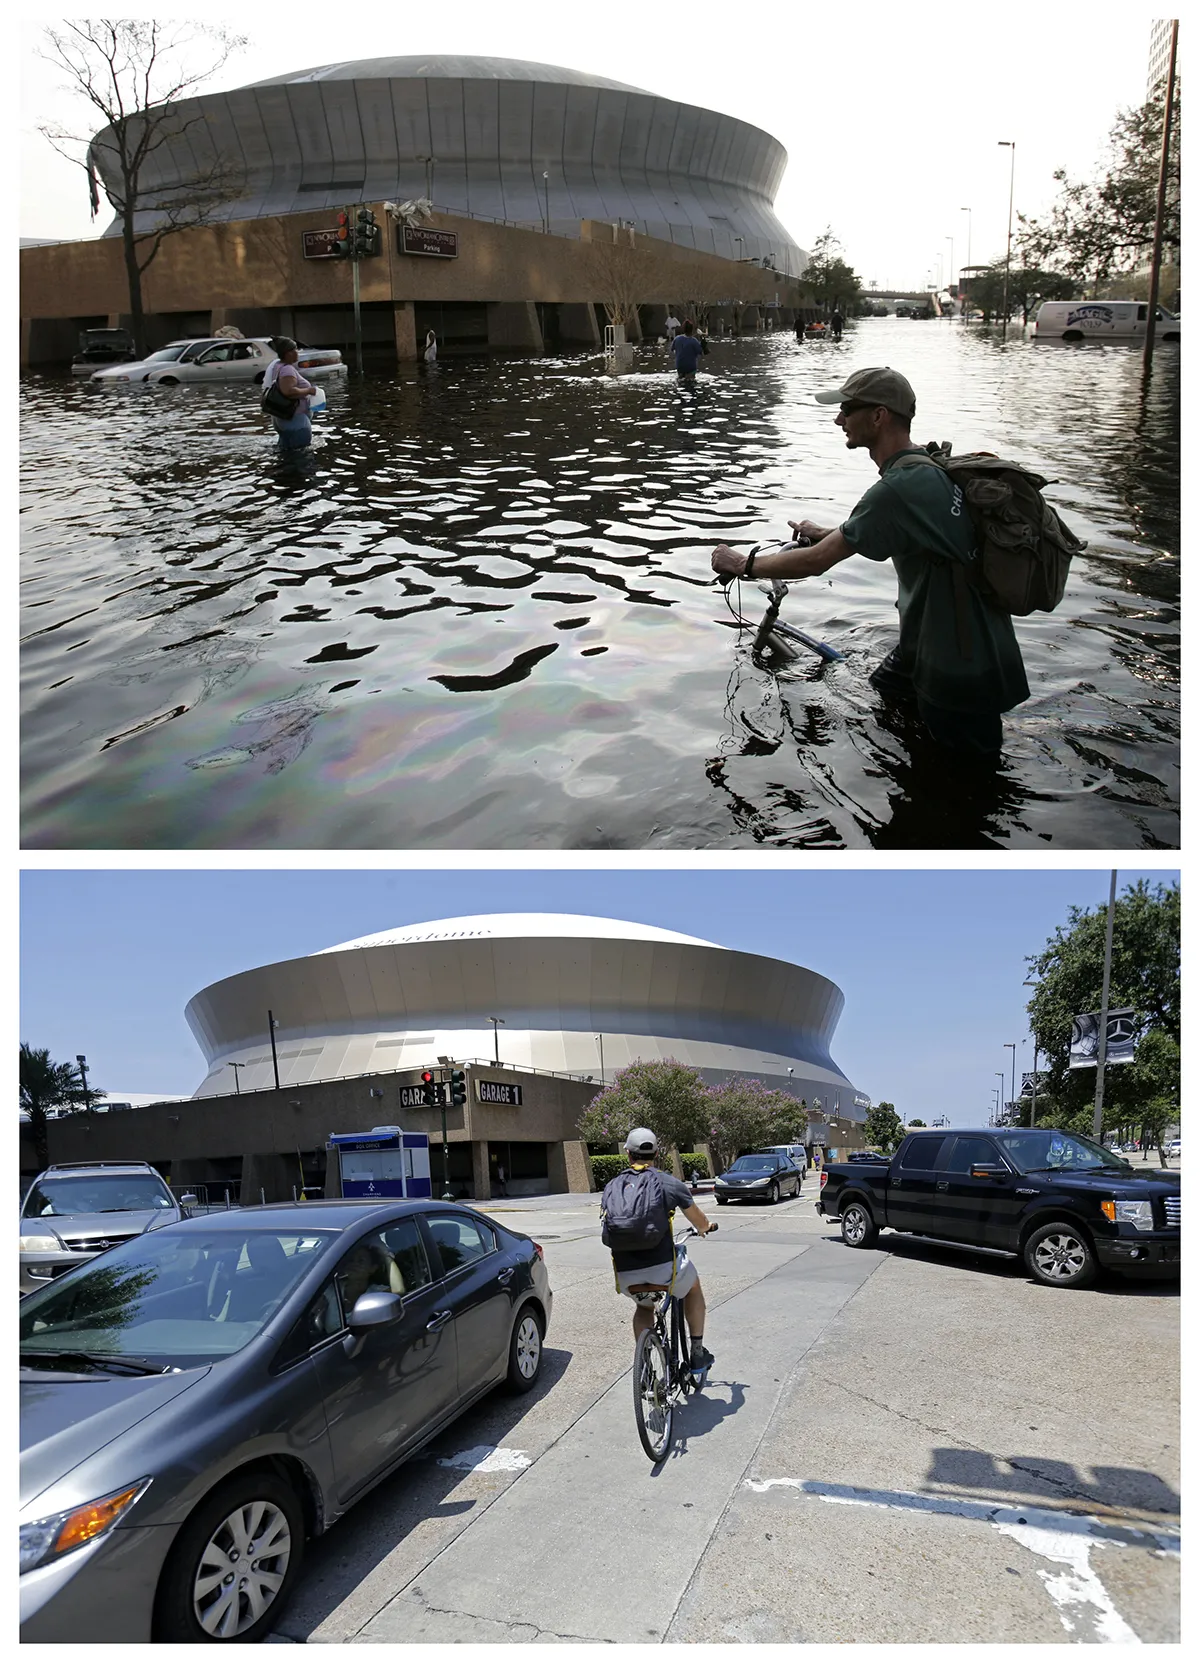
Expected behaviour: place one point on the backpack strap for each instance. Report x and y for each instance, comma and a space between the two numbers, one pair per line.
962, 602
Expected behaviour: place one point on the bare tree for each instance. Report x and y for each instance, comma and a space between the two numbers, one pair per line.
134, 73
625, 275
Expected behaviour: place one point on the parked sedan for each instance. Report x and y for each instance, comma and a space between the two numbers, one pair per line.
198, 1401
763, 1177
219, 358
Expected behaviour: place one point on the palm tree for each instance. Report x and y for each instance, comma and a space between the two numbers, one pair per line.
46, 1085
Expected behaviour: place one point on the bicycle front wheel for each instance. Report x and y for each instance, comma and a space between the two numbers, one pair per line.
652, 1406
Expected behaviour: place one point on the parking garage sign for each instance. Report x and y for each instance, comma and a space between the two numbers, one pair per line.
422, 239
498, 1091
319, 245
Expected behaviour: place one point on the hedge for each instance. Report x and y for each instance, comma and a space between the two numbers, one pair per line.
606, 1167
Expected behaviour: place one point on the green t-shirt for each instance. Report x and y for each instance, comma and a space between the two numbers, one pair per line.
916, 518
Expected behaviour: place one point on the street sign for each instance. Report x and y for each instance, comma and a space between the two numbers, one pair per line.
421, 239
319, 245
498, 1091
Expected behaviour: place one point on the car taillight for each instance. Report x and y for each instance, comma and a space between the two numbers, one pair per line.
824, 1178
537, 1248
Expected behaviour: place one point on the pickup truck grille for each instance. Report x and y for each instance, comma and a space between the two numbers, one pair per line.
1171, 1210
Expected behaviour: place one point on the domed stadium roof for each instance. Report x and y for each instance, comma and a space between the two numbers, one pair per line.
444, 67
507, 926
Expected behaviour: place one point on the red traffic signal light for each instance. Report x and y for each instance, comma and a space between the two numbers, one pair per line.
427, 1077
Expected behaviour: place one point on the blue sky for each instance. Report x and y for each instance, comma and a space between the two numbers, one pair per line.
931, 962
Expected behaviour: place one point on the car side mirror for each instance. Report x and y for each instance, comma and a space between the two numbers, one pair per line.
374, 1309
981, 1170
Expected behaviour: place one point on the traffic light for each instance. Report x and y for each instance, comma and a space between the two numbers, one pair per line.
429, 1088
458, 1087
368, 239
343, 248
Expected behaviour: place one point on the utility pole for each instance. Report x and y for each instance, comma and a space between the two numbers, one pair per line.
274, 1053
1011, 1045
1161, 207
82, 1061
1011, 145
1098, 1110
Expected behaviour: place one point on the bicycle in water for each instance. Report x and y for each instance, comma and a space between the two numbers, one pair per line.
662, 1377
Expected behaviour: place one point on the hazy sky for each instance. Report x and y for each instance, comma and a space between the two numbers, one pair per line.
931, 962
890, 114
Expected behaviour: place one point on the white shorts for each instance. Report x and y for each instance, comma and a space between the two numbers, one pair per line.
660, 1276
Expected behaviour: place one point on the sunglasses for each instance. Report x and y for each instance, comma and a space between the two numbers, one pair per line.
857, 404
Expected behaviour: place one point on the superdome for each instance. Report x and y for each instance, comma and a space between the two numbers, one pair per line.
548, 991
492, 138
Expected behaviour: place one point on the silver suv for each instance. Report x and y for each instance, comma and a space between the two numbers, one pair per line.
71, 1213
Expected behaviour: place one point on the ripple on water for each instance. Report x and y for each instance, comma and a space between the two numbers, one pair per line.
539, 658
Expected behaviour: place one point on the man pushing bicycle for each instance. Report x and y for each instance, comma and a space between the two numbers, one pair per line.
637, 1210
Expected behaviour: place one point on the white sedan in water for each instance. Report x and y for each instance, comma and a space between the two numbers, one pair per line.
218, 358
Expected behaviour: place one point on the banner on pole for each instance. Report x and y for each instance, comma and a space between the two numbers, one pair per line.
1085, 1039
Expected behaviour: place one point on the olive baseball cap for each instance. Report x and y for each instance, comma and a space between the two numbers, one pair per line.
877, 386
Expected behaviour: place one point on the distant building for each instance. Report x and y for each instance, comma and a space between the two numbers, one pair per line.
1160, 55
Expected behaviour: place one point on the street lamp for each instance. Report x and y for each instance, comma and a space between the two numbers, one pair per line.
1000, 1096
546, 188
600, 1043
237, 1076
1011, 1045
738, 241
429, 161
82, 1061
1033, 1081
1011, 145
497, 1023
967, 211
950, 279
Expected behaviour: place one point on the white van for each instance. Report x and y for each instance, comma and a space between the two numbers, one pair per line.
795, 1152
1088, 320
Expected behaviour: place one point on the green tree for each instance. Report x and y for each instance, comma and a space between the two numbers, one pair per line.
135, 75
832, 281
1069, 973
916, 1123
884, 1127
668, 1097
746, 1114
45, 1084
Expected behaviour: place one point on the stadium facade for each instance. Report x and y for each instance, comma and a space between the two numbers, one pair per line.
543, 991
501, 139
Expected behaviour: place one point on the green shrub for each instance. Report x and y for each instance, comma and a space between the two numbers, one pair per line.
695, 1166
606, 1167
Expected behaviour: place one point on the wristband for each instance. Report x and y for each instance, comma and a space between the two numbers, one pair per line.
748, 568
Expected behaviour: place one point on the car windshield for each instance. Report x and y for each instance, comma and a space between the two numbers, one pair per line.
1052, 1151
755, 1163
131, 1192
178, 1298
167, 354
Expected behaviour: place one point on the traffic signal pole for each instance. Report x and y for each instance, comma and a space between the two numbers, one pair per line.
357, 318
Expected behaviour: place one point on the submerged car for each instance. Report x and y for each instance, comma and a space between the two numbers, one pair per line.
763, 1177
199, 1401
99, 348
219, 358
72, 1213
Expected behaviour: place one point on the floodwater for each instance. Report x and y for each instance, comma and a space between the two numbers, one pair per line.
484, 617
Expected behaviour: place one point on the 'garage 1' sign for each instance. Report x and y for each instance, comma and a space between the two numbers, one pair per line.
498, 1091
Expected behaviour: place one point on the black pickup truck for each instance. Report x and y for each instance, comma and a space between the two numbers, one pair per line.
1058, 1201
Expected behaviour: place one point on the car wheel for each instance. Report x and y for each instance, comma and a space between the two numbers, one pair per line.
773, 1194
859, 1229
234, 1563
1060, 1256
525, 1351
260, 378
722, 1200
167, 380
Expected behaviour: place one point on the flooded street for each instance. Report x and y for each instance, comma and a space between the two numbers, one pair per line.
485, 618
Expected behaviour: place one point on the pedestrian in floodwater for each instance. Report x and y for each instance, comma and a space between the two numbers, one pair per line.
688, 350
800, 327
295, 431
431, 348
959, 665
672, 327
835, 323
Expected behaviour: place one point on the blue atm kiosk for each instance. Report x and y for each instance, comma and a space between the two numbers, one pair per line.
384, 1164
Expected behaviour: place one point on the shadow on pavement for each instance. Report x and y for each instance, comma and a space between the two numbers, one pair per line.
1004, 1268
701, 1415
1037, 1477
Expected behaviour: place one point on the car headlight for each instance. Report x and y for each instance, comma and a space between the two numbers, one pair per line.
47, 1539
41, 1244
1138, 1213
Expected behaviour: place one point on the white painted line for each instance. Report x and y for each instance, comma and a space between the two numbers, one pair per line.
1084, 1607
486, 1458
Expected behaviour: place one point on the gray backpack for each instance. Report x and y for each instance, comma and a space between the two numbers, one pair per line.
633, 1211
1025, 549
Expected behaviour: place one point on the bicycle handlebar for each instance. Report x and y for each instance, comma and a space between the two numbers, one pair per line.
691, 1230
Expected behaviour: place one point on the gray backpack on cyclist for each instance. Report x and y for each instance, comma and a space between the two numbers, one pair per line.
633, 1211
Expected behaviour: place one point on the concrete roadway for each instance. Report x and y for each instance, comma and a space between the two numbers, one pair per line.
909, 1444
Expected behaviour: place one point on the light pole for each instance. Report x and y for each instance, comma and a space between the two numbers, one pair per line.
600, 1043
237, 1076
1010, 145
967, 211
429, 161
740, 244
1011, 1045
1000, 1098
1098, 1110
546, 189
497, 1023
82, 1061
1033, 1083
271, 1026
950, 279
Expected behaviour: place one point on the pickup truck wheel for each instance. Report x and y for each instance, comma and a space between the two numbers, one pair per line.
1060, 1256
859, 1229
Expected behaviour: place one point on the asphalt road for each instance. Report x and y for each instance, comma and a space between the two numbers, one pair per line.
909, 1444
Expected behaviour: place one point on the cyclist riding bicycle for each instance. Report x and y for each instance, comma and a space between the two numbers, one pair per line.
630, 1209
